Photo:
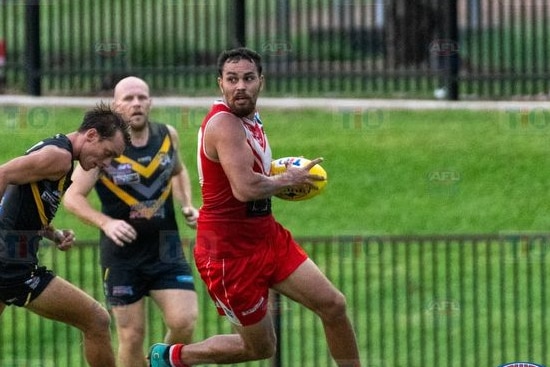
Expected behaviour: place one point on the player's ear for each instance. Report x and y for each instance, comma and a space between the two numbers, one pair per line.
262, 81
91, 134
220, 84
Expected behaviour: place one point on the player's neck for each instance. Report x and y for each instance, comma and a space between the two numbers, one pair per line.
76, 142
140, 137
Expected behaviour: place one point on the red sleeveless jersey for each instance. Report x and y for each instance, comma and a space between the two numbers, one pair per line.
241, 251
227, 226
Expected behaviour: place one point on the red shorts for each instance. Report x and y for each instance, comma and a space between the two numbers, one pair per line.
240, 285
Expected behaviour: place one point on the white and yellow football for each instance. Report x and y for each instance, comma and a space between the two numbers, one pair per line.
299, 192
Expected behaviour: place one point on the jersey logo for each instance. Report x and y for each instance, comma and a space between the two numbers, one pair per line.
258, 135
142, 184
159, 160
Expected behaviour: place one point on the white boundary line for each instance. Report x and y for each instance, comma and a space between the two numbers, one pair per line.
287, 103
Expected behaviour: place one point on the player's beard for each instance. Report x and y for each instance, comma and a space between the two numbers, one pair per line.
138, 122
243, 107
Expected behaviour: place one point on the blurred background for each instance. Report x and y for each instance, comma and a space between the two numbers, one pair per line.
435, 219
445, 49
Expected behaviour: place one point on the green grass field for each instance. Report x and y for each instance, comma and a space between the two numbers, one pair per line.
390, 173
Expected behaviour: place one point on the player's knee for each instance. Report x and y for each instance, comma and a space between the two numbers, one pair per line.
131, 336
99, 321
264, 350
334, 307
267, 353
183, 324
189, 320
102, 318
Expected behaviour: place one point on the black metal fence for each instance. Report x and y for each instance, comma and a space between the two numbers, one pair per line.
415, 301
446, 49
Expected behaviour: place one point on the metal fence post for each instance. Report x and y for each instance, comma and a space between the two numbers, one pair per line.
276, 359
455, 59
3, 78
240, 23
32, 47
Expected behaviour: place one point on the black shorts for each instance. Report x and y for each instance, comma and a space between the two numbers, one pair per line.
29, 283
124, 286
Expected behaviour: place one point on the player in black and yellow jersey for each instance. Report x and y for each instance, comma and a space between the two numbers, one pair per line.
31, 188
141, 253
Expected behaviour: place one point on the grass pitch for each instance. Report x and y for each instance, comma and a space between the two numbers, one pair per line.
390, 172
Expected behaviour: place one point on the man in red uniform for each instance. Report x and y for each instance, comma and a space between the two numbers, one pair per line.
241, 251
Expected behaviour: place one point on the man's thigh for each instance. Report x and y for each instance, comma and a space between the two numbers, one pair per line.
130, 316
308, 286
63, 301
176, 304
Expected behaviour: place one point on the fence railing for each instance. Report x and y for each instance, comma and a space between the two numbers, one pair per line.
472, 49
415, 301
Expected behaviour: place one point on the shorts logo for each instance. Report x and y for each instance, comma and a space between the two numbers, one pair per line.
123, 290
184, 279
521, 364
33, 282
228, 312
255, 307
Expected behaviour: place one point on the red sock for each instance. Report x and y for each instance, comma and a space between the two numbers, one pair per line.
175, 356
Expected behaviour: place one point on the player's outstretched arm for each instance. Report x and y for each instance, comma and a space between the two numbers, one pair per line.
76, 197
181, 184
48, 163
76, 202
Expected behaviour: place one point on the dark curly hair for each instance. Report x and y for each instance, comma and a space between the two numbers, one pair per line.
106, 121
238, 54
